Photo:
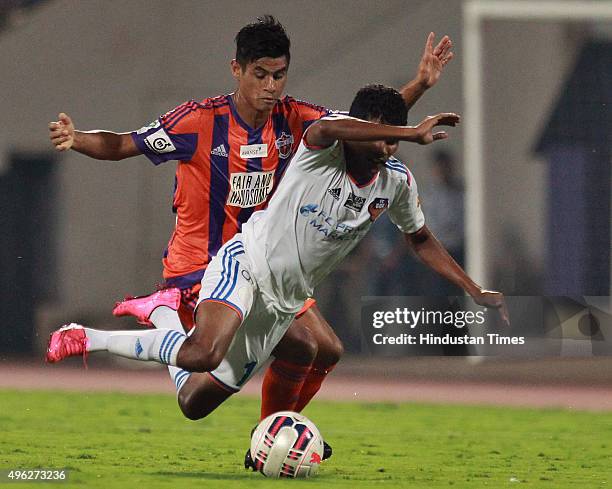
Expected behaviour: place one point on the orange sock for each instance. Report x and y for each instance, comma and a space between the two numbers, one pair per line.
281, 387
311, 386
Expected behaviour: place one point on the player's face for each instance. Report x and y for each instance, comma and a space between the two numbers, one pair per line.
262, 82
377, 152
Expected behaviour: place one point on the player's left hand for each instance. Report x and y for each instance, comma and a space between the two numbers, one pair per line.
433, 60
494, 300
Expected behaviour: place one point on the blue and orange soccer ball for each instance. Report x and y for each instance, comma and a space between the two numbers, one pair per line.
287, 444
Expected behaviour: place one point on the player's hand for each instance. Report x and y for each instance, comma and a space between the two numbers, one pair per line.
425, 134
61, 133
494, 300
433, 60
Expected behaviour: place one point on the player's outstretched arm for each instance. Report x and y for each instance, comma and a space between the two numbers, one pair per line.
325, 131
430, 68
101, 145
434, 255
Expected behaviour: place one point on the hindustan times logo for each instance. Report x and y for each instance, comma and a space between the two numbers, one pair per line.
412, 319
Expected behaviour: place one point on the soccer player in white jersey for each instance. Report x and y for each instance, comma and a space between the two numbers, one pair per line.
341, 179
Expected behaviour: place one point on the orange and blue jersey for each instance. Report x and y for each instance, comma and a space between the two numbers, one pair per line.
226, 171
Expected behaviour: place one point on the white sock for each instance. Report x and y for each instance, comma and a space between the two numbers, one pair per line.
164, 317
159, 345
98, 340
179, 376
167, 318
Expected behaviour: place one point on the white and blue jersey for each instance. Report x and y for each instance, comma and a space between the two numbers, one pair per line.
317, 216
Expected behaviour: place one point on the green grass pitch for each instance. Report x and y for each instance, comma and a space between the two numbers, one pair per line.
142, 441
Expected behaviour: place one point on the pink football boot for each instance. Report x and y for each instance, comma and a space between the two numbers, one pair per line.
142, 307
68, 341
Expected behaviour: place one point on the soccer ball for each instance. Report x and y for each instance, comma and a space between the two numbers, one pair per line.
287, 444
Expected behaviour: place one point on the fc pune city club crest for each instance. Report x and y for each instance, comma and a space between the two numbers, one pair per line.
284, 144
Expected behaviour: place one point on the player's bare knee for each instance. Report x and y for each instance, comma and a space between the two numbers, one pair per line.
336, 351
199, 356
330, 353
188, 407
307, 347
214, 359
206, 361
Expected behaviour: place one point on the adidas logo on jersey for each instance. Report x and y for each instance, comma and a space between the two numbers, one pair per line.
219, 151
335, 192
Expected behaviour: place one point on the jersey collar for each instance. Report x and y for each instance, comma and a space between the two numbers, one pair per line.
252, 132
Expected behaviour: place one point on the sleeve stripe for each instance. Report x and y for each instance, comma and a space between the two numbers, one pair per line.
309, 105
397, 168
176, 115
168, 118
397, 163
186, 112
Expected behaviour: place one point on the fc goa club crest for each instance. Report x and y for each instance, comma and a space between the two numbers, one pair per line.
377, 207
284, 144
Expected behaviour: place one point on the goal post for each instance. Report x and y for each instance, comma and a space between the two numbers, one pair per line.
475, 12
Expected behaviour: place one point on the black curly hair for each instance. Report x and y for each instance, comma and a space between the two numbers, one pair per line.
262, 39
374, 102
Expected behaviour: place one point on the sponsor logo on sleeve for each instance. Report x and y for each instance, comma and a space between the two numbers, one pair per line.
253, 151
354, 202
377, 207
159, 142
249, 189
284, 144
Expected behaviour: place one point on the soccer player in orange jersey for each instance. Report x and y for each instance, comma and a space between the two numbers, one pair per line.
232, 151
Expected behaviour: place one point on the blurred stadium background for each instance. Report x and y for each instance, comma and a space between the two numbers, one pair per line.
531, 161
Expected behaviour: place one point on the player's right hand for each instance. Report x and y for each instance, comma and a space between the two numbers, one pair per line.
61, 132
425, 128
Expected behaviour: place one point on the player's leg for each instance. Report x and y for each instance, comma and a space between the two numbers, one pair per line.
142, 308
161, 346
201, 395
169, 308
216, 324
226, 288
285, 376
303, 358
217, 321
201, 352
330, 350
177, 304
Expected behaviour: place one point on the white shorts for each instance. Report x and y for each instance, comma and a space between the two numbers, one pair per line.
228, 280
